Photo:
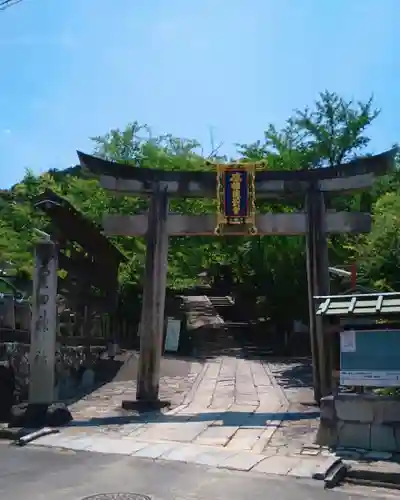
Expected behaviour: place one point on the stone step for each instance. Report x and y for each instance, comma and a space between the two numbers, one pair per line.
200, 312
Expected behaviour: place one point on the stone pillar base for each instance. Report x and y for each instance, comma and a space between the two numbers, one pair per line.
364, 421
37, 415
144, 406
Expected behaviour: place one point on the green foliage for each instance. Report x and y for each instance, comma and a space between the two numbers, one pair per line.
380, 251
331, 132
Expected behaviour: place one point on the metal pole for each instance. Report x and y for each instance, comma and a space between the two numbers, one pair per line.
322, 287
354, 276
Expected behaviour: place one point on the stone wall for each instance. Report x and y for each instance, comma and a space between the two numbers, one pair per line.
74, 369
365, 421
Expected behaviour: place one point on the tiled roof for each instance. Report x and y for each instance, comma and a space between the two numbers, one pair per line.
369, 304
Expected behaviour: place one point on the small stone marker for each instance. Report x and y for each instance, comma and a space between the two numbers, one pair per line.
88, 379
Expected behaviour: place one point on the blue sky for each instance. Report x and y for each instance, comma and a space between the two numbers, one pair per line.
72, 69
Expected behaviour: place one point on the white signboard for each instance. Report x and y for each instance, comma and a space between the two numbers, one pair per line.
172, 337
348, 341
370, 378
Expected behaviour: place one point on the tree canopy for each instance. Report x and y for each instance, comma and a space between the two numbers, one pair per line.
333, 131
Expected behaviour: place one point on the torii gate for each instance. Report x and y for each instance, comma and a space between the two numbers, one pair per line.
315, 222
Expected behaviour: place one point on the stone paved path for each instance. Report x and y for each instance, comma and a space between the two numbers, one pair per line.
106, 401
295, 380
234, 413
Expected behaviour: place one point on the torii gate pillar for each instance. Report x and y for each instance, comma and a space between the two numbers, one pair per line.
152, 320
318, 284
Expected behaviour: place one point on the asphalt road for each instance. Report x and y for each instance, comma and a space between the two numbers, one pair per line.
40, 473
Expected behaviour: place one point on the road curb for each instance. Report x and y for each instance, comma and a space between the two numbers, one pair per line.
373, 477
332, 471
12, 433
23, 435
335, 475
372, 484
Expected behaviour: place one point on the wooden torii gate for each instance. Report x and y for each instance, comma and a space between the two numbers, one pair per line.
314, 187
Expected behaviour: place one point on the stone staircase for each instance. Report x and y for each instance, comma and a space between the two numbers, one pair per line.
206, 326
200, 312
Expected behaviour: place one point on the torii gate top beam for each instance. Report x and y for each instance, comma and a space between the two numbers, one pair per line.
355, 175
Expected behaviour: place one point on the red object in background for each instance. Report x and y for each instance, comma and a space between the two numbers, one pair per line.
354, 276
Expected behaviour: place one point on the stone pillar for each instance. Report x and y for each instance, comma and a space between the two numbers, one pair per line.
43, 324
318, 284
154, 288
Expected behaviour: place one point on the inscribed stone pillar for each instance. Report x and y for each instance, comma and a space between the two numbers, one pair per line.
155, 280
43, 324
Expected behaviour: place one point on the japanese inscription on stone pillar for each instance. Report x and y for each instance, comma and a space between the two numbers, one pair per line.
44, 323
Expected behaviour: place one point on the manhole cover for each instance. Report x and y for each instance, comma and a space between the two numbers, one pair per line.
117, 496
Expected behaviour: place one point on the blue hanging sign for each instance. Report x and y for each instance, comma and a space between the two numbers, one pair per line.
236, 199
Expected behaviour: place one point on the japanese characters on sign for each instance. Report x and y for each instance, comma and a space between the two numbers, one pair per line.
235, 196
235, 181
370, 358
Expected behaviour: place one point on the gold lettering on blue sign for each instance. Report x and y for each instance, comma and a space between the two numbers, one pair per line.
236, 181
236, 198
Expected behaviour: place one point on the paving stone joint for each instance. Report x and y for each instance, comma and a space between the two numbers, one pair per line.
227, 412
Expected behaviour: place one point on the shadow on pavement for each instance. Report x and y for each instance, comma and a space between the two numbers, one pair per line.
122, 369
228, 418
291, 373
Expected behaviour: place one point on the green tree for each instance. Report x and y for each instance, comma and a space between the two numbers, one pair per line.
330, 132
379, 251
